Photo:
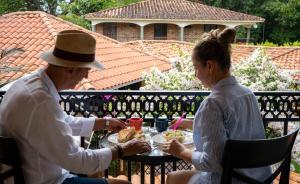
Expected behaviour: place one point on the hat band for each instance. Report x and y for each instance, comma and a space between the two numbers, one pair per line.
73, 56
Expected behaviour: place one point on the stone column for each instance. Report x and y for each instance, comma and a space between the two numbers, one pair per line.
93, 28
248, 35
142, 32
181, 33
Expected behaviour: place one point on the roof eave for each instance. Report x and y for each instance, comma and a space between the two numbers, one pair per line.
96, 20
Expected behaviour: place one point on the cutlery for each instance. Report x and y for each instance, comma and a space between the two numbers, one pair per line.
179, 121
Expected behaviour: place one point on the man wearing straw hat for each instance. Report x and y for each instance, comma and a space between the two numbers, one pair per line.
30, 113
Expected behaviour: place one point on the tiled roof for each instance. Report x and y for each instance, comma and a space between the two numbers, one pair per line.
287, 58
172, 9
164, 49
35, 32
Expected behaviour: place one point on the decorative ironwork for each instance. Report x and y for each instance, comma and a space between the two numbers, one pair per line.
274, 106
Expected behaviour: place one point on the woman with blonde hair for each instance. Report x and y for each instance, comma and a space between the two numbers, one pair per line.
229, 112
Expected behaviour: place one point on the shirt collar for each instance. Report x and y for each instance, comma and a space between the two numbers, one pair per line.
52, 89
225, 82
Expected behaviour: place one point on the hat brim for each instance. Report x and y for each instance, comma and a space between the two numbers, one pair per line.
51, 59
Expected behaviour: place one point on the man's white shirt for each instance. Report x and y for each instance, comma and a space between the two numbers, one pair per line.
30, 113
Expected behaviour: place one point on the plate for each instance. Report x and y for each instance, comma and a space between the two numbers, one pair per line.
113, 138
159, 138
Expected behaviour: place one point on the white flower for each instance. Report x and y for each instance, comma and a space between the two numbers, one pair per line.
258, 72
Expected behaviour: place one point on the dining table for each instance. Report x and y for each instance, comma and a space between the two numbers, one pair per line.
156, 157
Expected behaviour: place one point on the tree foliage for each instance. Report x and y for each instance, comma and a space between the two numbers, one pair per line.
81, 7
282, 18
49, 6
75, 10
7, 6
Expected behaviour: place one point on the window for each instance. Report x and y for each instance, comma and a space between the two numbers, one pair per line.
110, 30
209, 27
160, 31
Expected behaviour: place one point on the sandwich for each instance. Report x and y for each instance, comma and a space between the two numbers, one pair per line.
126, 135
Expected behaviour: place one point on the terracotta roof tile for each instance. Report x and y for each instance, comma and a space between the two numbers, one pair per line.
287, 58
172, 9
35, 32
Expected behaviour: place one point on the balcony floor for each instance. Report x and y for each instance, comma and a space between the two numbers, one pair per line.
294, 179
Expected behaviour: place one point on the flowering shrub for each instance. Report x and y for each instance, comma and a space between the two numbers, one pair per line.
180, 77
258, 72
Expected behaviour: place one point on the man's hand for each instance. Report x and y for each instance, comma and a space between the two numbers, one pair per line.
175, 148
134, 147
185, 124
116, 125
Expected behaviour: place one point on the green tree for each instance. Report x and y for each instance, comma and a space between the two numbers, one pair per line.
49, 6
81, 7
75, 10
282, 18
7, 6
117, 3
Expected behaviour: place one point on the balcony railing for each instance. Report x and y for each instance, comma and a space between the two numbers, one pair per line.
283, 107
274, 106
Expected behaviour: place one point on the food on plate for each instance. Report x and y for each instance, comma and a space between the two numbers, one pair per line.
126, 135
139, 135
130, 133
174, 134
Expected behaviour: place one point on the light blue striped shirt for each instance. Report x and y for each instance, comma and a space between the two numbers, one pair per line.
230, 111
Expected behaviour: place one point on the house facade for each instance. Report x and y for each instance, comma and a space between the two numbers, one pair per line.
166, 20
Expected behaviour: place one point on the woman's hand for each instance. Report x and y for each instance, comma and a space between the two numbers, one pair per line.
134, 147
175, 148
185, 124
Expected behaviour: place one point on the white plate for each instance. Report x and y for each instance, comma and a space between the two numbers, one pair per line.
159, 138
113, 138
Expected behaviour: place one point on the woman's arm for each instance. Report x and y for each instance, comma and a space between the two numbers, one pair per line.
212, 137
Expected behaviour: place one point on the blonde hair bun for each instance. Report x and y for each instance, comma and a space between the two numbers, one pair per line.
227, 36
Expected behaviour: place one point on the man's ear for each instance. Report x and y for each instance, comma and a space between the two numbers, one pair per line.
68, 73
69, 70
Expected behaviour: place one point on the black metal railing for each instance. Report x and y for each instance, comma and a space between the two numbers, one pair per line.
276, 106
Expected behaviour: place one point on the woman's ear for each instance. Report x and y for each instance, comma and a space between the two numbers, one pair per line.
211, 66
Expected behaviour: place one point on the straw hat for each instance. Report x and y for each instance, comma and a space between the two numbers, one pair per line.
73, 48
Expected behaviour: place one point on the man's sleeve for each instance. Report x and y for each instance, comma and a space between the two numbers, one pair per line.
80, 126
51, 137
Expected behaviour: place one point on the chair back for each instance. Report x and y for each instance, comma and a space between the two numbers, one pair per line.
240, 154
9, 155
